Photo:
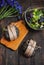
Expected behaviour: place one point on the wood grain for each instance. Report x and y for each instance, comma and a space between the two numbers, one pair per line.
9, 57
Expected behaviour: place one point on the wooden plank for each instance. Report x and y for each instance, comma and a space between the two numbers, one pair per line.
10, 57
2, 55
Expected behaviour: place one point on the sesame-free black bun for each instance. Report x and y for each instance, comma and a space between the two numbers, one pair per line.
6, 35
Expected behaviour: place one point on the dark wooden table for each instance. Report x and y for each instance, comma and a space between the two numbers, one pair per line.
10, 57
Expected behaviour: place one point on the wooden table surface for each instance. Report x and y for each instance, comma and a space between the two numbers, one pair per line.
10, 57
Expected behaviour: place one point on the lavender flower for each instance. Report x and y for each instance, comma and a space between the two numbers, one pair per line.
15, 4
2, 2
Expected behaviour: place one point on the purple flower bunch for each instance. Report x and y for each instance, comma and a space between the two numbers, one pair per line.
2, 2
12, 3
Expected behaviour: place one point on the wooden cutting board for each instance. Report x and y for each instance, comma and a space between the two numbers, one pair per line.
22, 33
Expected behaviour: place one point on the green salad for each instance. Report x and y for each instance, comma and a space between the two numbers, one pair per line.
35, 18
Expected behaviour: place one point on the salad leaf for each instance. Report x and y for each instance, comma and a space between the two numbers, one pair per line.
37, 14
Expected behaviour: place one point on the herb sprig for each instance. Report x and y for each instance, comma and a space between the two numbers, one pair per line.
7, 11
